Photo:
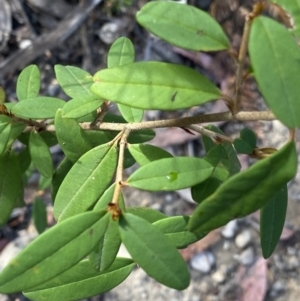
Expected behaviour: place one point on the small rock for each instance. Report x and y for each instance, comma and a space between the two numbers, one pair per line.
293, 263
218, 276
230, 229
25, 43
203, 261
277, 288
109, 32
4, 297
246, 257
243, 239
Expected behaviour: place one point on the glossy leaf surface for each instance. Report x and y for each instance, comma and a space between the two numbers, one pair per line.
246, 191
82, 281
41, 261
10, 184
79, 106
38, 107
183, 26
171, 174
147, 245
175, 229
29, 82
40, 155
145, 153
74, 81
272, 218
39, 215
154, 85
275, 56
85, 182
71, 137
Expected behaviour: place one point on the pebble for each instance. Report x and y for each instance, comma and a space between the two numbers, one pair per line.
243, 239
278, 287
218, 276
4, 297
246, 257
293, 263
230, 229
109, 32
203, 261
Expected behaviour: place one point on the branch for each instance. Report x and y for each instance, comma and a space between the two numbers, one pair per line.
177, 122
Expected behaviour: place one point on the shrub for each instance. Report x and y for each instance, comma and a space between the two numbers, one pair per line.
76, 258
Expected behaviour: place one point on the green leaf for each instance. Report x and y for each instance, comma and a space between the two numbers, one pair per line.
11, 184
128, 159
148, 214
24, 159
81, 281
29, 82
154, 254
71, 137
183, 26
141, 136
38, 107
275, 59
59, 175
44, 182
74, 81
171, 174
40, 155
120, 53
145, 153
226, 156
175, 229
272, 218
293, 10
42, 259
246, 191
79, 106
48, 137
39, 215
85, 182
16, 130
5, 129
246, 143
154, 85
203, 190
2, 95
103, 256
131, 114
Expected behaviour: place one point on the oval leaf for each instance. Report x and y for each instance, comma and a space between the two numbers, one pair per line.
154, 85
148, 214
74, 81
78, 107
272, 218
120, 53
145, 153
39, 215
85, 182
40, 155
11, 184
275, 56
29, 82
147, 245
41, 260
246, 191
183, 26
171, 174
38, 107
81, 281
71, 137
131, 114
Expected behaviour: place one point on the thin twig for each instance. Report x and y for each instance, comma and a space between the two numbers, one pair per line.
178, 122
